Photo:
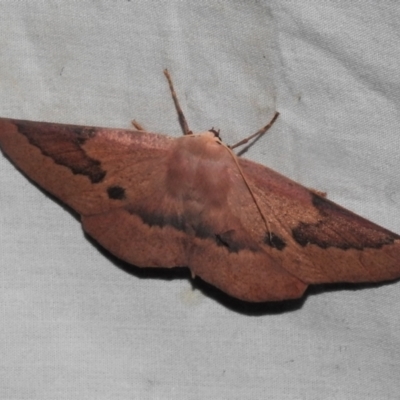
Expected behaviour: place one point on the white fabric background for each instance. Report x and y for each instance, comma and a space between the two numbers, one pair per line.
76, 326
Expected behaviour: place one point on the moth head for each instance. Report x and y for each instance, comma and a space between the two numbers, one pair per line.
210, 136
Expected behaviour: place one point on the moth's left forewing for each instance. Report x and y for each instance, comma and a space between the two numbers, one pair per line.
88, 168
317, 240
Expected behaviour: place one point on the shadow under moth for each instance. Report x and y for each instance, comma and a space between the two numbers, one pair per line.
158, 201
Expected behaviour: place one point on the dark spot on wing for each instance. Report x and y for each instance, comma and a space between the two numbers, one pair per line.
227, 239
338, 227
305, 234
158, 219
273, 240
116, 193
63, 144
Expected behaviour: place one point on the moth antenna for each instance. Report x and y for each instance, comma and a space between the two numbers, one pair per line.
233, 155
182, 120
258, 133
240, 143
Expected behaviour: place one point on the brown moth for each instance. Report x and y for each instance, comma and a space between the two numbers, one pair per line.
158, 201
